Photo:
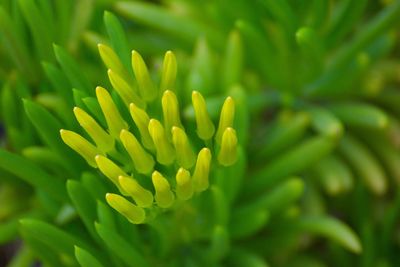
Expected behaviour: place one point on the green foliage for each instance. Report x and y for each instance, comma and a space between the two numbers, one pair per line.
305, 173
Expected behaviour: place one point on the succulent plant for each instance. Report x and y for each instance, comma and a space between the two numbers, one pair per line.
279, 126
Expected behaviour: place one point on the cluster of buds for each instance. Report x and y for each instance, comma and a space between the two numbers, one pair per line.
156, 149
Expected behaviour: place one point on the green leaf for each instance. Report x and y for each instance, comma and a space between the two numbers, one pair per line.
94, 185
80, 20
220, 244
278, 198
45, 158
247, 222
292, 162
94, 107
283, 135
48, 128
334, 175
325, 123
39, 28
220, 206
84, 204
45, 253
118, 38
60, 241
330, 228
8, 230
14, 45
73, 71
364, 163
360, 115
86, 259
201, 76
122, 249
233, 60
106, 216
59, 82
239, 257
381, 23
32, 174
23, 258
159, 18
255, 42
349, 12
231, 186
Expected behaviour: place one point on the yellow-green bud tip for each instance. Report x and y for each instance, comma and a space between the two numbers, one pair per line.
169, 71
170, 109
202, 170
226, 118
228, 153
184, 188
134, 214
141, 159
114, 120
142, 197
146, 86
102, 139
164, 150
184, 153
205, 127
164, 196
142, 120
80, 145
111, 170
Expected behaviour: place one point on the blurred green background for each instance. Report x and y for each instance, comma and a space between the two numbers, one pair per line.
317, 116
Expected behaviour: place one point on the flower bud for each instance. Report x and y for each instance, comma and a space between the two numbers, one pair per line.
184, 153
164, 150
226, 118
227, 155
184, 187
103, 140
146, 87
142, 160
202, 170
164, 196
169, 71
133, 213
142, 120
142, 197
114, 120
82, 146
205, 127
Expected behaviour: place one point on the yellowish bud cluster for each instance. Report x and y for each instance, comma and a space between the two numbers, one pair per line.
150, 142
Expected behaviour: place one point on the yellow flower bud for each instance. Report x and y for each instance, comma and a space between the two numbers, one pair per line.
184, 188
202, 170
142, 197
169, 71
82, 146
125, 91
184, 153
228, 153
103, 140
226, 118
133, 213
170, 109
205, 127
112, 61
114, 120
164, 196
164, 150
111, 170
146, 87
142, 120
142, 160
